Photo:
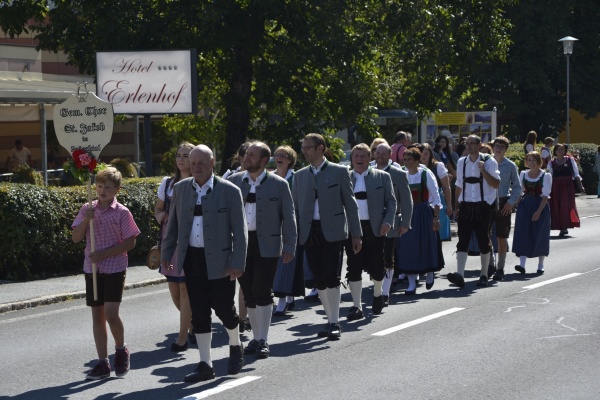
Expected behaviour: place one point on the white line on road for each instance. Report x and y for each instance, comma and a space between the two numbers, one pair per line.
221, 388
559, 321
564, 336
549, 281
417, 321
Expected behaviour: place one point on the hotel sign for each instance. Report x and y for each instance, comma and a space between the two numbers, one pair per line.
148, 82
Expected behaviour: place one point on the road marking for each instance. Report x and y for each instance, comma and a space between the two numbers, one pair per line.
47, 313
549, 281
416, 322
564, 336
509, 309
559, 321
221, 388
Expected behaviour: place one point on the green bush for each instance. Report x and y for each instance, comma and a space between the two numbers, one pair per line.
36, 224
26, 174
125, 167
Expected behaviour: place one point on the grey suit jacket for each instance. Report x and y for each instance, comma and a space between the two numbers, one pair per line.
404, 199
337, 206
275, 216
223, 223
380, 198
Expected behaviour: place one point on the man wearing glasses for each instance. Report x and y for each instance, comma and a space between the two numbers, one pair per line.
326, 210
476, 183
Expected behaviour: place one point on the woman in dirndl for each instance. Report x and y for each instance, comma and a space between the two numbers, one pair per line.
417, 250
442, 178
176, 282
563, 211
289, 278
532, 223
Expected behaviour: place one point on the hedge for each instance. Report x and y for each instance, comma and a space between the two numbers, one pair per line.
36, 226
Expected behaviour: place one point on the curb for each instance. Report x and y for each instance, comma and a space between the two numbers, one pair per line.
62, 297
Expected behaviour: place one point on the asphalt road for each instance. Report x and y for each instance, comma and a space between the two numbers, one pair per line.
530, 337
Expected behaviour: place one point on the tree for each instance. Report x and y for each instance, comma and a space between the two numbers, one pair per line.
277, 69
529, 88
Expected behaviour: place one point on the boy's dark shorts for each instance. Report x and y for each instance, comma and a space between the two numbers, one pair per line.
110, 288
503, 222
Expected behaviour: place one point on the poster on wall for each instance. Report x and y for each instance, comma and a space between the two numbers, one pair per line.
148, 82
459, 125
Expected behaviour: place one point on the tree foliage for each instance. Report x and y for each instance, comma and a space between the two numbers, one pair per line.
277, 69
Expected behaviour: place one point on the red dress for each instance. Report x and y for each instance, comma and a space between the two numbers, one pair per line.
563, 211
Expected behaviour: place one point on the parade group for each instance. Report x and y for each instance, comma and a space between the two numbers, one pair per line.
279, 232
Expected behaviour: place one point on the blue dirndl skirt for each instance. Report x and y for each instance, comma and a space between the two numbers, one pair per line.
531, 239
417, 249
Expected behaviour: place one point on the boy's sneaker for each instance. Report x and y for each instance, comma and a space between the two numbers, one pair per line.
100, 371
122, 362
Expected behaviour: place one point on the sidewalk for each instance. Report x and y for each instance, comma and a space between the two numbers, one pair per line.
21, 295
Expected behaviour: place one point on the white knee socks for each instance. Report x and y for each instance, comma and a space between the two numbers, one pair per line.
461, 261
377, 288
412, 282
356, 291
387, 282
485, 262
204, 340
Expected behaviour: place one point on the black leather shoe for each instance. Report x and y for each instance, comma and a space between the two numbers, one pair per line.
499, 275
483, 281
377, 305
456, 278
335, 331
386, 301
291, 306
410, 292
175, 348
354, 313
540, 272
236, 359
491, 270
251, 347
281, 313
520, 269
262, 351
202, 373
324, 332
429, 285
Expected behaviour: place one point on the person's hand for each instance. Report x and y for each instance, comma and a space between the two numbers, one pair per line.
89, 214
481, 166
449, 211
506, 210
356, 244
287, 257
234, 273
97, 256
436, 225
166, 265
402, 230
385, 228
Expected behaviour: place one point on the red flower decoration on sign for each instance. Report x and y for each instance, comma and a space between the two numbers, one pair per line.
83, 165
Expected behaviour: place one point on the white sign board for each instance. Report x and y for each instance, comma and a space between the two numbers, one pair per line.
148, 82
84, 123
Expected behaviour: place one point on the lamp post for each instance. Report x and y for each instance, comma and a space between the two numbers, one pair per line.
567, 42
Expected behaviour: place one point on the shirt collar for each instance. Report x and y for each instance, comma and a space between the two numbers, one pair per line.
259, 179
320, 167
208, 185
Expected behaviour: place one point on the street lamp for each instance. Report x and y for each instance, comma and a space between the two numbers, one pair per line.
567, 42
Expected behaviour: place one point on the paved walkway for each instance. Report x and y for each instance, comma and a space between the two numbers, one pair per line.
21, 295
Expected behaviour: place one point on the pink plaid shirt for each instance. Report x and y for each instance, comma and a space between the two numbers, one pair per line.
111, 227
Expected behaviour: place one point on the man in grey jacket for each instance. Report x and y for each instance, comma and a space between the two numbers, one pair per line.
325, 208
376, 210
207, 228
271, 224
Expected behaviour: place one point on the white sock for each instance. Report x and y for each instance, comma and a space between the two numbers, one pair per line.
313, 291
234, 336
377, 288
325, 302
204, 340
412, 282
334, 302
387, 282
501, 260
280, 305
401, 276
522, 261
541, 262
356, 291
485, 262
461, 261
263, 316
430, 277
289, 299
253, 322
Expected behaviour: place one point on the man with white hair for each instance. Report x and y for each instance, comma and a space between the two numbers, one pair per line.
208, 229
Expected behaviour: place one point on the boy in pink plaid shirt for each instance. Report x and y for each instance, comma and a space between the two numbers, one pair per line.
114, 233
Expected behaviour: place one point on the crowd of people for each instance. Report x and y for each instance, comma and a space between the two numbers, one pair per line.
280, 232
